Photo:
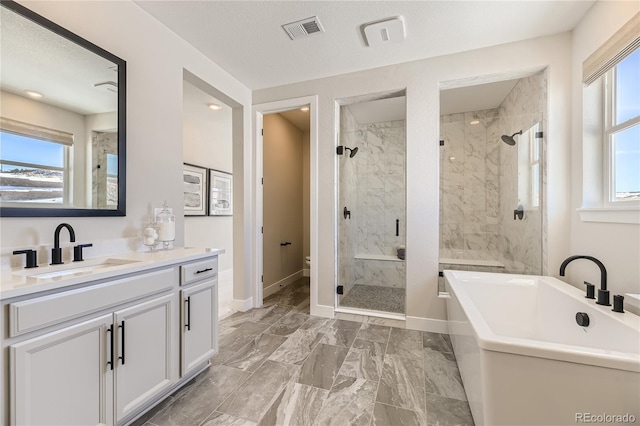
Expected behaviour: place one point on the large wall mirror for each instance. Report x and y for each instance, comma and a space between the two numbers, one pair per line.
62, 121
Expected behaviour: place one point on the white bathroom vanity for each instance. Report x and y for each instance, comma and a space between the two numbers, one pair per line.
102, 341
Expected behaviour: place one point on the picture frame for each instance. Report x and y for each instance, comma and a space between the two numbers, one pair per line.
220, 193
195, 185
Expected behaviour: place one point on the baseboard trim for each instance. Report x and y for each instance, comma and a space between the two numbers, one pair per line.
324, 311
427, 324
242, 305
306, 272
371, 313
278, 285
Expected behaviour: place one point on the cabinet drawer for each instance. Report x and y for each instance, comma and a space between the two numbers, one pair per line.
196, 271
45, 311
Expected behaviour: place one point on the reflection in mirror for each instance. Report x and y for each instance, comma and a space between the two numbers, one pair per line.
62, 124
529, 167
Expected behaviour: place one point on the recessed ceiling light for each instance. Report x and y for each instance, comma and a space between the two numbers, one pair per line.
215, 106
475, 122
33, 94
304, 108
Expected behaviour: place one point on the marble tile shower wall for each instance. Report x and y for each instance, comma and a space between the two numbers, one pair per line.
372, 187
479, 183
469, 185
521, 242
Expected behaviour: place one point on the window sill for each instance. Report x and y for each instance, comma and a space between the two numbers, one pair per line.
611, 214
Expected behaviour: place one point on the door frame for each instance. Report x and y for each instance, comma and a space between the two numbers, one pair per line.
259, 110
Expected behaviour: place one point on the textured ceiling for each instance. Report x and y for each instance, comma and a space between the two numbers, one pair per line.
29, 52
246, 39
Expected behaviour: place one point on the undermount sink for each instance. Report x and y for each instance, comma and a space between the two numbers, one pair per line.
85, 267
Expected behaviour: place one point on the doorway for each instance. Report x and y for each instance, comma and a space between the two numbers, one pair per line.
283, 251
285, 184
371, 217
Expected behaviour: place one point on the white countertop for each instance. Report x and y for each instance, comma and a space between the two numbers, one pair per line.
20, 281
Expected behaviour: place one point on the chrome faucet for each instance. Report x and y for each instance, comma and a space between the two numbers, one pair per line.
56, 251
603, 293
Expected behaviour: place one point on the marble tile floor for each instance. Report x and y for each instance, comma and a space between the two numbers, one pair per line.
377, 298
277, 365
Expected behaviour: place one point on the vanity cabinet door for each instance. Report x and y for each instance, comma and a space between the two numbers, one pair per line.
143, 354
199, 324
63, 377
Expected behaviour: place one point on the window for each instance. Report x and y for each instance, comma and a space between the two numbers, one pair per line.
33, 170
529, 168
112, 180
622, 132
611, 129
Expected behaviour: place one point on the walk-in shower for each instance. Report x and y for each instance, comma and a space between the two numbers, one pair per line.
371, 207
491, 181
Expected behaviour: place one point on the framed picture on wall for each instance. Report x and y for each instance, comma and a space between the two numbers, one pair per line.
195, 190
220, 193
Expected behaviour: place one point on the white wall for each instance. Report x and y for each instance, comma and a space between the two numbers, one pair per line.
207, 142
155, 57
422, 81
616, 245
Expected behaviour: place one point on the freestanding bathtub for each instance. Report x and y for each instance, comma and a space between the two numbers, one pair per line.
524, 360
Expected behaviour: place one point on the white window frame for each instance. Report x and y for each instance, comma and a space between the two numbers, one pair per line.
609, 130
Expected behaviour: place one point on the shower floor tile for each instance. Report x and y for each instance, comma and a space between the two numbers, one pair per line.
386, 299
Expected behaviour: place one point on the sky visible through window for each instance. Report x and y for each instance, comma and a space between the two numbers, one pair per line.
627, 142
27, 150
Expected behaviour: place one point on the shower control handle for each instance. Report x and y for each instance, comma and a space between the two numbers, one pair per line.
518, 213
346, 213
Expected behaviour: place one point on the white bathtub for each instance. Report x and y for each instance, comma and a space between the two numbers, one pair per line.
525, 361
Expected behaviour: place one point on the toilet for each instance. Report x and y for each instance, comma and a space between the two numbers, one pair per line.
307, 270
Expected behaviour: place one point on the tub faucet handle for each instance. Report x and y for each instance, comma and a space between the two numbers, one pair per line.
618, 303
591, 290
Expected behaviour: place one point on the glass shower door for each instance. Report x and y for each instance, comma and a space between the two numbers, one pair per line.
371, 215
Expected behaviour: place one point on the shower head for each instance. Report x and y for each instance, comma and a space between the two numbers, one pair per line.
509, 140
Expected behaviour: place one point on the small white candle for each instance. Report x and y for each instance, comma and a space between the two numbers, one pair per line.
167, 231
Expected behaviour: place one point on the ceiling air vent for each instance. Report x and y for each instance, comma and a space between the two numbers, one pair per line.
304, 28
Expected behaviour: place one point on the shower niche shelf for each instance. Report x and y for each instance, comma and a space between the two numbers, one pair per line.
384, 257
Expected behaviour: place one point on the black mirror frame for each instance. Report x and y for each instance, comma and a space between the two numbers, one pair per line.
122, 124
